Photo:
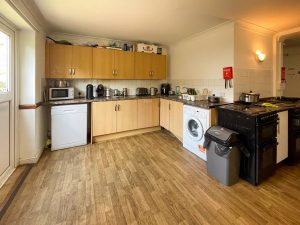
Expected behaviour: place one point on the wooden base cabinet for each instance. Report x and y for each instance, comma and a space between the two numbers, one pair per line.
104, 118
126, 115
171, 117
282, 136
113, 116
148, 113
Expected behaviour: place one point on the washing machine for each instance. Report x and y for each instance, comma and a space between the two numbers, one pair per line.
195, 123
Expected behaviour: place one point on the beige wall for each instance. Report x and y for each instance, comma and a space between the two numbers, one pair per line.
249, 74
291, 60
198, 61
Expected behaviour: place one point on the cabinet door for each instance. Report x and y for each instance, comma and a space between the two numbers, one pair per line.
103, 63
159, 67
282, 136
142, 65
60, 61
82, 62
104, 118
165, 113
176, 120
127, 115
148, 113
124, 65
47, 55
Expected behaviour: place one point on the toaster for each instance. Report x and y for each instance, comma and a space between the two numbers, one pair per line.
141, 91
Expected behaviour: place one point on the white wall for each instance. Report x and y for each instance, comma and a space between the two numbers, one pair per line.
249, 74
291, 60
198, 61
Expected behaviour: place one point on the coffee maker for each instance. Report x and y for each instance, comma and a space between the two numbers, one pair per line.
89, 91
165, 88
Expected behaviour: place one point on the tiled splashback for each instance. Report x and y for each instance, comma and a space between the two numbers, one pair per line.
214, 86
258, 81
131, 85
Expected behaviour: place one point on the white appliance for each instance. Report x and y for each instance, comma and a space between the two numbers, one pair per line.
195, 123
61, 93
68, 126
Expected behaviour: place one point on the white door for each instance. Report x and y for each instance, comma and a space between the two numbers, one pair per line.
6, 102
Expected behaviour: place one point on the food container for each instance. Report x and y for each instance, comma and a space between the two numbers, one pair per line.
141, 47
213, 99
249, 97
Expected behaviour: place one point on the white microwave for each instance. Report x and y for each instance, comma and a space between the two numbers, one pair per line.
61, 93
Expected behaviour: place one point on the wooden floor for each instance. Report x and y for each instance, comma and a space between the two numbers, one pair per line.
146, 179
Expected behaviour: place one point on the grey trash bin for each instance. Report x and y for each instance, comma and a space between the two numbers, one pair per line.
223, 152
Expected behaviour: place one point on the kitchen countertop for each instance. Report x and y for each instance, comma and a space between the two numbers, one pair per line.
258, 109
202, 104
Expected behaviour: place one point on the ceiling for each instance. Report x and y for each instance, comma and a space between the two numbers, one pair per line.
163, 21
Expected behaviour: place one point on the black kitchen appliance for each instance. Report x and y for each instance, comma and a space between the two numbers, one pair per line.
141, 91
100, 90
258, 130
294, 136
89, 91
165, 88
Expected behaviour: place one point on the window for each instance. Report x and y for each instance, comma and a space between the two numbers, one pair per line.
4, 62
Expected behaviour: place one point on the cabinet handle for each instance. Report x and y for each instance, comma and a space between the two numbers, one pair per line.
116, 72
73, 71
118, 107
115, 107
70, 71
113, 72
149, 73
169, 106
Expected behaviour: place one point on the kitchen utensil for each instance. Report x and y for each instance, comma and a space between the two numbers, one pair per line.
153, 91
89, 91
213, 99
107, 92
141, 91
249, 97
171, 92
61, 83
100, 90
116, 92
165, 88
125, 91
177, 90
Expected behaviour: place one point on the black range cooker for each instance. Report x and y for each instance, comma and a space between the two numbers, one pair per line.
258, 129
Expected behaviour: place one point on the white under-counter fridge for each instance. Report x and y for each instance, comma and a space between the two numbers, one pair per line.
68, 126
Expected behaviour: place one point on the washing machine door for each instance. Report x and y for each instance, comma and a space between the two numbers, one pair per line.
195, 129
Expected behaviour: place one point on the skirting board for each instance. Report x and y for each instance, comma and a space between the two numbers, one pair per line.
124, 134
6, 175
32, 160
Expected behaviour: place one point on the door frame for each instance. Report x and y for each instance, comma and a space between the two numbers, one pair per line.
14, 150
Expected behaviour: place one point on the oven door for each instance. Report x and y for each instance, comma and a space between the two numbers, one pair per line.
294, 146
266, 132
266, 160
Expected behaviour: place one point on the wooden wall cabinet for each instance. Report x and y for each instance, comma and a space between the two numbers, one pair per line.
112, 64
67, 61
148, 113
113, 116
150, 66
71, 62
171, 117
